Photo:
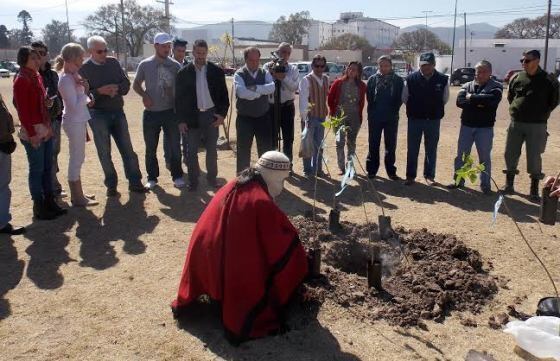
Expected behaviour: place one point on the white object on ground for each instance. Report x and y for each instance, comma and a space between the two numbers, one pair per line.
539, 335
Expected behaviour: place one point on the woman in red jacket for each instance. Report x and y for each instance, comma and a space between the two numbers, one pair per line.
347, 95
35, 132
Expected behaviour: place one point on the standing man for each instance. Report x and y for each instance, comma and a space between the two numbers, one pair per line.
50, 82
384, 95
479, 100
313, 109
159, 72
108, 84
202, 103
532, 95
253, 85
426, 93
289, 81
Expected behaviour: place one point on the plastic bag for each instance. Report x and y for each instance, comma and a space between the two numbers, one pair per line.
306, 147
539, 335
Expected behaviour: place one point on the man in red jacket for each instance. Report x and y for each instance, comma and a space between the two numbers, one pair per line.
245, 253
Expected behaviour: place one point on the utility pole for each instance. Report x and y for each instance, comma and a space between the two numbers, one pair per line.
465, 18
124, 39
453, 44
68, 21
426, 12
233, 42
167, 16
547, 34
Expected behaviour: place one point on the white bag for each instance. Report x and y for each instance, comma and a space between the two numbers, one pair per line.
539, 335
306, 147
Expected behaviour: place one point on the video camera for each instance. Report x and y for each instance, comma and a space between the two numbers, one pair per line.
278, 65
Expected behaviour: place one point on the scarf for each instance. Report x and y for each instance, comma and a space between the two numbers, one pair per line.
383, 82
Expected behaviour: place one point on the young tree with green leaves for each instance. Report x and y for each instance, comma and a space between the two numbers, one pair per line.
291, 29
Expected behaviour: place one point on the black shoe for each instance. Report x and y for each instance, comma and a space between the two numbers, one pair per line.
138, 188
409, 181
487, 191
112, 192
394, 177
192, 187
454, 186
11, 230
321, 174
50, 203
215, 184
41, 211
371, 176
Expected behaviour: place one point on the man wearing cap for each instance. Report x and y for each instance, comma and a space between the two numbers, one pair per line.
201, 103
253, 85
532, 95
108, 84
158, 72
245, 253
425, 95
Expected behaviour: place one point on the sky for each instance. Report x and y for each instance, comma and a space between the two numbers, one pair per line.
189, 13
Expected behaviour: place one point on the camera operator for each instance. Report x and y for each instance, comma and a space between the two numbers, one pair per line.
288, 75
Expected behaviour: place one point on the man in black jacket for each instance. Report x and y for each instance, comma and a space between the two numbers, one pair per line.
201, 103
479, 100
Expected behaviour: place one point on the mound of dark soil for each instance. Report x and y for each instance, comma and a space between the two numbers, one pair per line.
426, 275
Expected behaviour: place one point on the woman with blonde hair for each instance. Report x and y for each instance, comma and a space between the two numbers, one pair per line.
74, 91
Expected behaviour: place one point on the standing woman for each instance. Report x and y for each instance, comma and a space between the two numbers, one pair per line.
347, 95
74, 91
32, 105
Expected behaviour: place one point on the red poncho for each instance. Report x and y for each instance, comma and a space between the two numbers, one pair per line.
244, 253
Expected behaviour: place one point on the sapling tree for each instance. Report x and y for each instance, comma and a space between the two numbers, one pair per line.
470, 171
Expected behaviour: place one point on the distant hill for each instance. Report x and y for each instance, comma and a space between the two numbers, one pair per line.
243, 29
479, 31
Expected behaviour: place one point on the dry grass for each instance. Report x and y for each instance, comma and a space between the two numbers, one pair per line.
97, 283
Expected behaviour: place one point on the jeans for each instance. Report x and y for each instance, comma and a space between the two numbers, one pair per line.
482, 138
429, 128
352, 121
389, 129
76, 132
287, 115
5, 192
153, 123
104, 125
167, 151
534, 135
310, 165
209, 133
57, 187
248, 127
40, 168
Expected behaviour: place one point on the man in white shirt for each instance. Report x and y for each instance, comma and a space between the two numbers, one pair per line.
289, 81
253, 85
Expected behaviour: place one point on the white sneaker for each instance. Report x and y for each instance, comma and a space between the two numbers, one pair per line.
151, 184
179, 183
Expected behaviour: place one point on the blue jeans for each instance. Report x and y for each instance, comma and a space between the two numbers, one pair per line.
389, 128
153, 123
482, 138
105, 124
429, 128
40, 168
310, 165
56, 125
5, 192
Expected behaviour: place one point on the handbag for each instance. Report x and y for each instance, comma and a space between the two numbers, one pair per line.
306, 147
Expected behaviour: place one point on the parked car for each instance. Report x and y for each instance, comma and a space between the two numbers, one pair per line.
4, 73
510, 73
333, 71
11, 66
368, 71
461, 76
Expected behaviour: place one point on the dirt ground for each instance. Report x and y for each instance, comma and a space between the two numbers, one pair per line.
97, 283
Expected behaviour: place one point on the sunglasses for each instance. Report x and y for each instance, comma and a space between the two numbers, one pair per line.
526, 61
104, 51
319, 65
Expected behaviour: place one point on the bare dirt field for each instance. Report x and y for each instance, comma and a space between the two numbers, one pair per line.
97, 283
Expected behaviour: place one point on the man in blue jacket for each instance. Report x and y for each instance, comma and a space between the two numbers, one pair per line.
479, 100
426, 93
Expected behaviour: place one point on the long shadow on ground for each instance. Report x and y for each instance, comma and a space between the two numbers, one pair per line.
306, 339
11, 271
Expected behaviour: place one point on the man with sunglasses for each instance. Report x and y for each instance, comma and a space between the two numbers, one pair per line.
108, 84
532, 95
50, 82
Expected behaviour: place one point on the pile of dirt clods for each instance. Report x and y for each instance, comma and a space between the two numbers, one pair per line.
425, 275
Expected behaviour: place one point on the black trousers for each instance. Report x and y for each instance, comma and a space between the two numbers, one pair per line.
287, 116
248, 128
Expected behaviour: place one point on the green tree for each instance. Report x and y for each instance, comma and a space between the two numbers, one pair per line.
291, 29
347, 42
26, 34
526, 28
140, 24
4, 37
419, 41
55, 35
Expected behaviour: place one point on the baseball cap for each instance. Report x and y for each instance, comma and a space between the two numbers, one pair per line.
163, 38
427, 58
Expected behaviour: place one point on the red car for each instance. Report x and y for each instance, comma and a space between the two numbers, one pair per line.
511, 73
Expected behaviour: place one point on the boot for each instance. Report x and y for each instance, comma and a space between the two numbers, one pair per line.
50, 203
41, 211
534, 194
508, 189
77, 195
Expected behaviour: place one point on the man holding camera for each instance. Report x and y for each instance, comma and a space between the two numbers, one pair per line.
288, 76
